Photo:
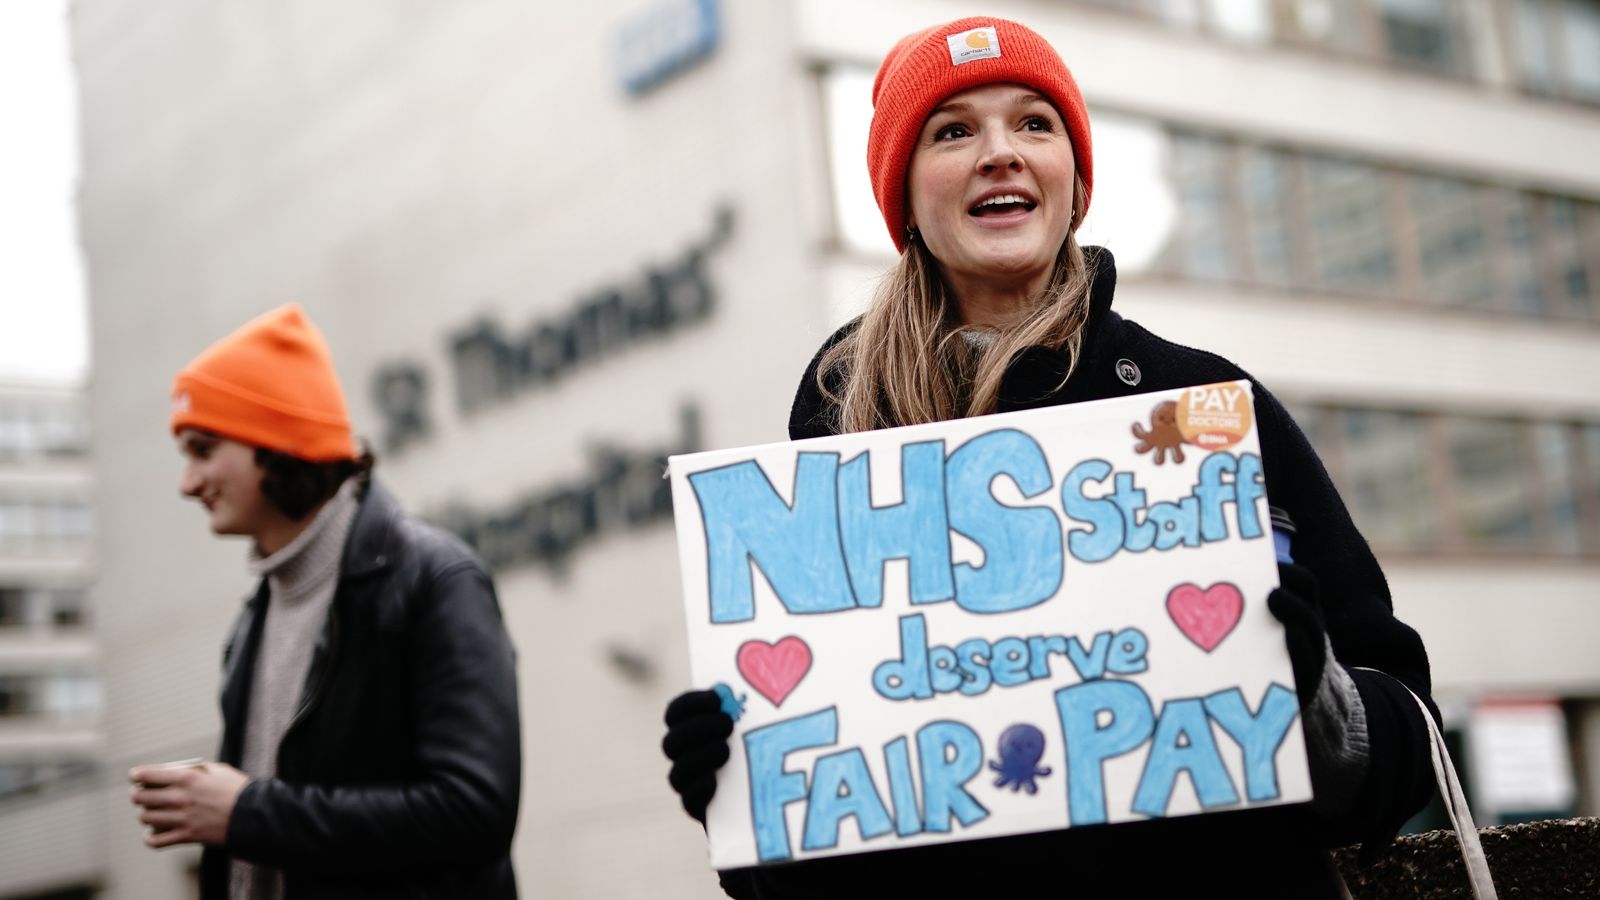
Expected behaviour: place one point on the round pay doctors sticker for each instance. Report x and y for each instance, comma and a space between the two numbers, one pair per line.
1215, 416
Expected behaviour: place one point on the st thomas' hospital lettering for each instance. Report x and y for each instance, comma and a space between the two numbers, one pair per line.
491, 367
622, 491
622, 488
1025, 598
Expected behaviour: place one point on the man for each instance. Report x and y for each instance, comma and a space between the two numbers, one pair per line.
370, 743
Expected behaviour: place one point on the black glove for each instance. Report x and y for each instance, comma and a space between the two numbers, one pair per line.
697, 744
1296, 605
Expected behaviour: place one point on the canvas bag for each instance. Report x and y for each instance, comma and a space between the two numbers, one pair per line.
1455, 803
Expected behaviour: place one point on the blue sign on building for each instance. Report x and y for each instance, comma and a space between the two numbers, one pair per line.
665, 40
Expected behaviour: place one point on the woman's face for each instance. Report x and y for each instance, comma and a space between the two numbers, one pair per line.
990, 186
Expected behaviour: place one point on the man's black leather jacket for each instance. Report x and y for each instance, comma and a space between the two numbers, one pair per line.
400, 772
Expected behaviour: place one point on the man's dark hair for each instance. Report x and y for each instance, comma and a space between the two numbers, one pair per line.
297, 486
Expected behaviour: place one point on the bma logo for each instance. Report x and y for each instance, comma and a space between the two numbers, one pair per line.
665, 40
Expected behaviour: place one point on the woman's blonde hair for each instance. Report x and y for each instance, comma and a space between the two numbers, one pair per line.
907, 362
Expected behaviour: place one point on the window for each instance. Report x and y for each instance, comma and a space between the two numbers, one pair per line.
1553, 45
847, 104
1438, 483
1205, 239
68, 608
1265, 177
1387, 478
1531, 37
1350, 235
1315, 423
70, 696
13, 607
13, 433
1342, 26
1487, 471
1287, 219
16, 695
1448, 216
28, 776
1182, 13
1422, 32
37, 607
1244, 21
74, 521
1556, 452
54, 428
1589, 482
44, 522
15, 522
1557, 46
1525, 286
63, 431
1581, 47
1566, 253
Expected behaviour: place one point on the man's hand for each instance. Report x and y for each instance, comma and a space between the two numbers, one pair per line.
189, 805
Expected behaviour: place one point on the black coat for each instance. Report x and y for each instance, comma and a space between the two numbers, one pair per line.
399, 775
1270, 852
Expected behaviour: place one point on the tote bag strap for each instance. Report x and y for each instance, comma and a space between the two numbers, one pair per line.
1455, 803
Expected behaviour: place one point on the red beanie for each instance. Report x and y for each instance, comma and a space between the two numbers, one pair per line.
930, 65
270, 384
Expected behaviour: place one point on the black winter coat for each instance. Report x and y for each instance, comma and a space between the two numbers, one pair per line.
400, 773
1276, 852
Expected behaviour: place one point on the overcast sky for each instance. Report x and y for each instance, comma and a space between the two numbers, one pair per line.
43, 319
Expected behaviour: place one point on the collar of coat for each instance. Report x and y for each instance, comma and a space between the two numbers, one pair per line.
370, 546
1036, 374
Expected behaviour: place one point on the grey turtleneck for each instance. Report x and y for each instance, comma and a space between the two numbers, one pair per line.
301, 579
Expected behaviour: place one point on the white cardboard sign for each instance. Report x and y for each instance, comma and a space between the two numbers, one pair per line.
989, 626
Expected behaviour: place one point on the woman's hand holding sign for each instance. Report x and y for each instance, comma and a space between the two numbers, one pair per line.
1295, 603
697, 743
1337, 745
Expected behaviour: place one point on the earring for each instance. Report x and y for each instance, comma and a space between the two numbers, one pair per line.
911, 233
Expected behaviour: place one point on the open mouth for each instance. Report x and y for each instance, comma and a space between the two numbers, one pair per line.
1002, 204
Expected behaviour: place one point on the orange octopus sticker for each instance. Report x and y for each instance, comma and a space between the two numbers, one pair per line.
1162, 437
1215, 416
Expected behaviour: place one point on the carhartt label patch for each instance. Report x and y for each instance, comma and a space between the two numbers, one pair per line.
979, 43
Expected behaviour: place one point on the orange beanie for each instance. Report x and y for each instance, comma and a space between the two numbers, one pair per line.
270, 384
930, 65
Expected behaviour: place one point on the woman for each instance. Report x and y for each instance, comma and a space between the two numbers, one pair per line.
981, 162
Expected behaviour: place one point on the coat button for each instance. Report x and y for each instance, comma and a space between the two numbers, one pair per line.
1128, 371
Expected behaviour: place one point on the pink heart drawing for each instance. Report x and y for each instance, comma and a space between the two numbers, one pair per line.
1205, 616
774, 669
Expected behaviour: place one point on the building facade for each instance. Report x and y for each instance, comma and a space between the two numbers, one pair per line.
50, 698
548, 250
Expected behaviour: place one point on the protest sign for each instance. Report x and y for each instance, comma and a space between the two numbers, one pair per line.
989, 626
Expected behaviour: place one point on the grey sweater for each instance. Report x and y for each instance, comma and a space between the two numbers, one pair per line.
301, 579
